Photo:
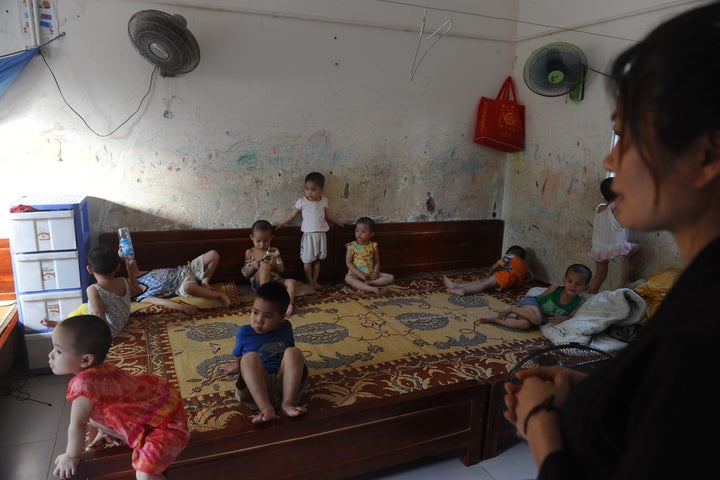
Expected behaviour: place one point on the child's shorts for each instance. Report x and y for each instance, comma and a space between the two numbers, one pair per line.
313, 246
193, 272
506, 279
275, 392
528, 301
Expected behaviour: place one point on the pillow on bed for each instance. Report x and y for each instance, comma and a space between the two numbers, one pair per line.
229, 288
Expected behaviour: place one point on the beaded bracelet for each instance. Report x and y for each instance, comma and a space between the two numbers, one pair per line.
546, 405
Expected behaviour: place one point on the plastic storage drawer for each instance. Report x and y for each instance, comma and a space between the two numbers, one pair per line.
43, 231
51, 305
35, 272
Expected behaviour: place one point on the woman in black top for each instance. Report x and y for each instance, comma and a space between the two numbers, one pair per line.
650, 413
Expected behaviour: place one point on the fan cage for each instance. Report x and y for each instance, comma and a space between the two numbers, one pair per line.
572, 355
562, 57
164, 40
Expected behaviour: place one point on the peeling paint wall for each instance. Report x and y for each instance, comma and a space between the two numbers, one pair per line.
272, 99
553, 187
277, 96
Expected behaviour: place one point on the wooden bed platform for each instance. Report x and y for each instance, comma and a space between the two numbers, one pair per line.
461, 417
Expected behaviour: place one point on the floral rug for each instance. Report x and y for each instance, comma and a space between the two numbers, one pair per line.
357, 346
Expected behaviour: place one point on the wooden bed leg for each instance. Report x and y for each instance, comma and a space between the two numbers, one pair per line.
473, 454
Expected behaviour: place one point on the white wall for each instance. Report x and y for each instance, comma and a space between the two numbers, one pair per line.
285, 87
273, 98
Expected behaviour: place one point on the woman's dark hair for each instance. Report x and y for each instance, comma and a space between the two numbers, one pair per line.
667, 86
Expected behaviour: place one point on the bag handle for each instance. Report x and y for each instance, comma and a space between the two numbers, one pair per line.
507, 88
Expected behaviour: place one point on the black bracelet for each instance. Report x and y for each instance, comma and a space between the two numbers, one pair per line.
546, 405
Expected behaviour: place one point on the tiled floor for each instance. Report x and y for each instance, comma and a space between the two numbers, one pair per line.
33, 431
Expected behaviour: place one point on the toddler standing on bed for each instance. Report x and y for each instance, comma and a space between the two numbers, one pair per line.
144, 411
315, 214
556, 304
363, 259
190, 280
609, 240
510, 271
263, 263
272, 370
109, 298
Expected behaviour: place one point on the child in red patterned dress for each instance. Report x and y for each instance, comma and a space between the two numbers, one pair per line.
144, 411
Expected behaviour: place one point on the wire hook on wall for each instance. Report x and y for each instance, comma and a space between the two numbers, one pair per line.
439, 32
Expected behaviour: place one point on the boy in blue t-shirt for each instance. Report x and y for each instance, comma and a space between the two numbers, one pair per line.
272, 371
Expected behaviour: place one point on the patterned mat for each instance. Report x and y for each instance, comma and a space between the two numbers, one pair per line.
357, 346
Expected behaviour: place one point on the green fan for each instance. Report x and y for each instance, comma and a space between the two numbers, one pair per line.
556, 69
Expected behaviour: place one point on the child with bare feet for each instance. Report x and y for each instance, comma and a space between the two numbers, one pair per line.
143, 411
556, 304
263, 263
272, 371
510, 271
363, 259
190, 280
315, 215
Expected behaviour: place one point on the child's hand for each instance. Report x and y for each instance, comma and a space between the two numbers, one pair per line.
65, 466
228, 368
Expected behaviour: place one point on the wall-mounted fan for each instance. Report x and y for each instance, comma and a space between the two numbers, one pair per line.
164, 40
556, 69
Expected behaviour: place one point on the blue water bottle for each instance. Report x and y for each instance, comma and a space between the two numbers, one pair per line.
126, 246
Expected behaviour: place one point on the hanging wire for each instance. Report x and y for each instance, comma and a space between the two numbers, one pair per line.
446, 26
526, 22
152, 76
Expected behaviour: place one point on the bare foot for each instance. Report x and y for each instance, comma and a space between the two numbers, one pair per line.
487, 320
189, 309
453, 287
225, 300
449, 284
102, 437
264, 415
316, 286
294, 410
49, 323
289, 310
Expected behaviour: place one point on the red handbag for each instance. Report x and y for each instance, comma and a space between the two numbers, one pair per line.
501, 121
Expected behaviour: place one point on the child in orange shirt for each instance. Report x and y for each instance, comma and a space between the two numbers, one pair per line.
510, 271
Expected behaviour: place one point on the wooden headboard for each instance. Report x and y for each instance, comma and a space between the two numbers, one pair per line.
405, 248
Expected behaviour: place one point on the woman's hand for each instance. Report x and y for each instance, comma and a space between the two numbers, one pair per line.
538, 384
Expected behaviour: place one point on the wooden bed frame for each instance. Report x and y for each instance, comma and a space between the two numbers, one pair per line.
462, 418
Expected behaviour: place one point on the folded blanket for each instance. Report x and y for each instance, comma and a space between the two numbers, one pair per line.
600, 311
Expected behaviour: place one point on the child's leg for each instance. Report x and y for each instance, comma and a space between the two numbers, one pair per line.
478, 286
204, 291
291, 375
211, 260
525, 317
253, 374
316, 273
262, 275
105, 435
307, 267
633, 263
355, 282
290, 286
601, 271
382, 280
